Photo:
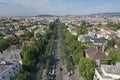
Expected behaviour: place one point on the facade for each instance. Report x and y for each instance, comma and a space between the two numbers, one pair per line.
8, 70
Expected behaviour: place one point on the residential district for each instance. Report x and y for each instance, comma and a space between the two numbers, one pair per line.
59, 48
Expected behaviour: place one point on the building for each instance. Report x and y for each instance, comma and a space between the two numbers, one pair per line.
96, 54
73, 30
21, 32
28, 43
8, 70
107, 33
84, 38
39, 31
118, 33
13, 53
108, 72
99, 41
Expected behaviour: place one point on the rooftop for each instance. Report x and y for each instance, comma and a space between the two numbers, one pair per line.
10, 56
97, 54
28, 42
112, 69
4, 66
99, 40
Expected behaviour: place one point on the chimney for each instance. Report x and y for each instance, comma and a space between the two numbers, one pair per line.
103, 48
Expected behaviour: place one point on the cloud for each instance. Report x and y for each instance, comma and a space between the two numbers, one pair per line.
58, 7
44, 6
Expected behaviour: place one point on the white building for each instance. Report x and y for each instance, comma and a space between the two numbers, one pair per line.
118, 33
108, 72
8, 70
73, 30
13, 53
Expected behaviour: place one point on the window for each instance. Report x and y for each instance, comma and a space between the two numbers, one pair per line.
10, 77
13, 68
14, 72
9, 72
3, 77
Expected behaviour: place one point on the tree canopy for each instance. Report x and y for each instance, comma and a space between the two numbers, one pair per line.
111, 43
114, 55
23, 76
29, 57
86, 68
113, 26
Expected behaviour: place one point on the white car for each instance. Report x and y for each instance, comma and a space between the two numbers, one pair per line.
53, 72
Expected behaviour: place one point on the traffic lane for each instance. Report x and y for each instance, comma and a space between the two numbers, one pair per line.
58, 71
57, 57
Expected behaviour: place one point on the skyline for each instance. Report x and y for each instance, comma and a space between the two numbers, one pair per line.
57, 7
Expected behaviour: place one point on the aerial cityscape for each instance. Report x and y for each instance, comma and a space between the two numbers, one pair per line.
59, 40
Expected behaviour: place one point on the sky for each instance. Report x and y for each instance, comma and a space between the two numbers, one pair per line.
57, 7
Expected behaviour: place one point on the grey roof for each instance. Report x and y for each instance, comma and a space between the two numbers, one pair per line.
99, 40
10, 56
112, 69
3, 67
87, 38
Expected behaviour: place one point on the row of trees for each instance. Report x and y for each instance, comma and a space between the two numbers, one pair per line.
63, 48
48, 50
76, 48
46, 61
31, 53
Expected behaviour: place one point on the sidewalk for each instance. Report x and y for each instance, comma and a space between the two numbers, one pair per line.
65, 73
44, 75
77, 75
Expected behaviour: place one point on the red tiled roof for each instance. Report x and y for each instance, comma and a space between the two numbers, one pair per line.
28, 42
107, 29
96, 54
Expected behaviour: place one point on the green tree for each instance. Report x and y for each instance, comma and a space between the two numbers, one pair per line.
114, 55
21, 27
86, 68
111, 43
52, 25
23, 76
29, 58
82, 30
83, 23
1, 35
4, 44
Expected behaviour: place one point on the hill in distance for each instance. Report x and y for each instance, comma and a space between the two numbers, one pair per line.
107, 14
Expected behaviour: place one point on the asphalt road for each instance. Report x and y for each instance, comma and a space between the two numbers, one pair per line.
57, 59
57, 56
